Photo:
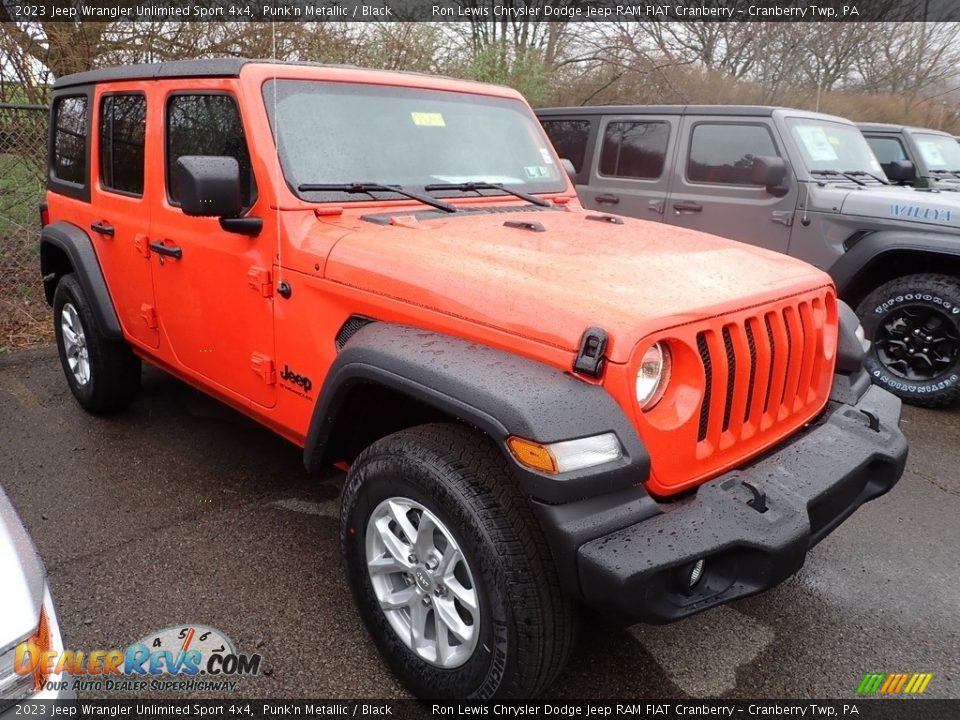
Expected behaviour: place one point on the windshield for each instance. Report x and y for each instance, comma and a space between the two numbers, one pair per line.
833, 146
333, 133
940, 152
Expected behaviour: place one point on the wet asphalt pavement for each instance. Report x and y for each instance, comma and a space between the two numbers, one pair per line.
182, 510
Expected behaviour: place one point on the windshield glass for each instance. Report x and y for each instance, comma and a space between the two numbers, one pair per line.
331, 133
834, 146
939, 151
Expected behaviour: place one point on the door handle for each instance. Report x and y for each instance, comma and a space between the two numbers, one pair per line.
607, 199
102, 228
655, 206
173, 251
687, 206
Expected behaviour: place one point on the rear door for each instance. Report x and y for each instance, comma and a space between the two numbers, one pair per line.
121, 220
711, 189
629, 173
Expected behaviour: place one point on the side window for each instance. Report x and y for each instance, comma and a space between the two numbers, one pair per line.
634, 149
206, 125
887, 150
70, 139
123, 128
724, 153
569, 138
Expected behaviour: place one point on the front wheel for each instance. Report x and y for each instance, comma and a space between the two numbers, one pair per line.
914, 325
449, 569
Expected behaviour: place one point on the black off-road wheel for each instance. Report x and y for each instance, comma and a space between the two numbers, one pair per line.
103, 374
914, 325
449, 568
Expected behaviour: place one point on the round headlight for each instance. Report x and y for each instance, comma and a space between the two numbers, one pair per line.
653, 376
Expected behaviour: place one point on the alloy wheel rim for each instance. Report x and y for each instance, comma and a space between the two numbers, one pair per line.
918, 343
75, 344
423, 583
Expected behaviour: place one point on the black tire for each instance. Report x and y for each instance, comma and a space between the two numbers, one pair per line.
892, 316
114, 371
527, 625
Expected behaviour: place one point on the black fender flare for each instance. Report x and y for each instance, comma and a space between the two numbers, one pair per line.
499, 393
77, 246
873, 246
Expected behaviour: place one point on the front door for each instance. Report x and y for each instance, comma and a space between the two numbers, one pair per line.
711, 189
214, 295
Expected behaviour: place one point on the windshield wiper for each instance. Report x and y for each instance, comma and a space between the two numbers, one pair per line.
880, 180
480, 185
837, 173
370, 188
955, 173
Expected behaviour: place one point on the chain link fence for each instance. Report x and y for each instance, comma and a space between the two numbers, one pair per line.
24, 316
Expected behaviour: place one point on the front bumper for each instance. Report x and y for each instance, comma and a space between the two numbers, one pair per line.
810, 484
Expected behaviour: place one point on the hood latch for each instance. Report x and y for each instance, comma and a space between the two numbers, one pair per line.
590, 356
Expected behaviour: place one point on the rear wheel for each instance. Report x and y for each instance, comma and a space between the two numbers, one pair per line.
103, 374
449, 569
914, 325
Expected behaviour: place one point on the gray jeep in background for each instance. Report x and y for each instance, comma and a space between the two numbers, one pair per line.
935, 155
800, 183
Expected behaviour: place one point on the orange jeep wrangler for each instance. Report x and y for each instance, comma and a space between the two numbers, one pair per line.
540, 407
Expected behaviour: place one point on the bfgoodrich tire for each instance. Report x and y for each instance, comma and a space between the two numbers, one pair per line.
103, 375
449, 568
913, 323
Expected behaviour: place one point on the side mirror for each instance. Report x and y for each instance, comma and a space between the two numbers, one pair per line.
569, 167
768, 171
899, 170
209, 186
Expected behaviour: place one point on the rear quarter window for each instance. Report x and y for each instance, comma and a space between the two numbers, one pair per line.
70, 123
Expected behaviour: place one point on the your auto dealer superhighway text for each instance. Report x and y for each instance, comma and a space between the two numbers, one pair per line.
675, 709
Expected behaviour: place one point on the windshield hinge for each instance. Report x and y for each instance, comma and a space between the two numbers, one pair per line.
260, 280
784, 217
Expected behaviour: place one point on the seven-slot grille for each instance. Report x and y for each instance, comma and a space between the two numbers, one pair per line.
760, 371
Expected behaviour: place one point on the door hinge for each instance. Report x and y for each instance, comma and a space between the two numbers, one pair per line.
784, 217
263, 366
142, 244
149, 315
261, 281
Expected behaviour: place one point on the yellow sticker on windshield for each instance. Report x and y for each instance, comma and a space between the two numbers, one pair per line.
428, 119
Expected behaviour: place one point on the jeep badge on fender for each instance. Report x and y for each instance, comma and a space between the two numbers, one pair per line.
521, 389
294, 379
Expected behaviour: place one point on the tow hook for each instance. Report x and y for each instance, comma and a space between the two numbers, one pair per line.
759, 501
873, 422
